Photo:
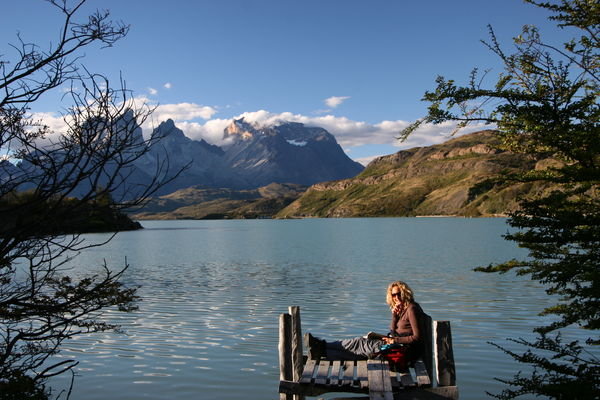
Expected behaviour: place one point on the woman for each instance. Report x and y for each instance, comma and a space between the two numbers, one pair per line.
406, 329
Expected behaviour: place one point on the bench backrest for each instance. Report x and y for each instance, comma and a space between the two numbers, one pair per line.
428, 344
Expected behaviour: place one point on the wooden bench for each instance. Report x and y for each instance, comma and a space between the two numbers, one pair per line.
301, 376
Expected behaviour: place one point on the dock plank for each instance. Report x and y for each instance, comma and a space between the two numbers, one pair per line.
394, 379
380, 386
348, 374
308, 373
335, 372
322, 372
421, 373
362, 373
406, 378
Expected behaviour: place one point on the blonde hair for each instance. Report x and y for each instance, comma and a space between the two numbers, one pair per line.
406, 294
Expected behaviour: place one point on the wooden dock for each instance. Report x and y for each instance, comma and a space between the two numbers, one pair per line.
301, 376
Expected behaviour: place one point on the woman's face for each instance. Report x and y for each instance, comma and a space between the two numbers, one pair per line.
396, 295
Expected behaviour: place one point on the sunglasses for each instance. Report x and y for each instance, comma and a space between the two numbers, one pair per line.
396, 294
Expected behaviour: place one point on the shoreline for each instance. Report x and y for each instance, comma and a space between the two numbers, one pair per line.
311, 217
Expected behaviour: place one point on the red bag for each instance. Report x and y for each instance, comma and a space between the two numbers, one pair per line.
396, 356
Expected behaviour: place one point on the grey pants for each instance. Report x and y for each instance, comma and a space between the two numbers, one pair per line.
357, 348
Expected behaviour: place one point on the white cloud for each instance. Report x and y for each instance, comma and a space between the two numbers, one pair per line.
183, 112
54, 121
211, 131
349, 133
152, 91
168, 85
69, 89
335, 101
365, 160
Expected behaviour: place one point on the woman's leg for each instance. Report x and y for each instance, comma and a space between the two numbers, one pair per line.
357, 348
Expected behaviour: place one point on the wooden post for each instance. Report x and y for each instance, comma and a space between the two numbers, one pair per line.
444, 356
285, 351
297, 361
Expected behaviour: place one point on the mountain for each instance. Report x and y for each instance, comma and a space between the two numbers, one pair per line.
7, 172
288, 152
200, 162
253, 156
453, 178
101, 154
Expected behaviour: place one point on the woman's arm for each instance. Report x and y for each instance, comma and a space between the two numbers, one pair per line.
394, 323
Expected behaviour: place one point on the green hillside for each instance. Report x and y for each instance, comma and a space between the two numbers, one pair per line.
450, 179
207, 203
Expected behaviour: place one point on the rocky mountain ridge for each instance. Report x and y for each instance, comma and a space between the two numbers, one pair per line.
252, 156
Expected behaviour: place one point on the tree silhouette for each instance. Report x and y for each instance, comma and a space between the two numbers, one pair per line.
47, 177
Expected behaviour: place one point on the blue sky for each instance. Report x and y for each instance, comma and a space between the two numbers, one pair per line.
357, 68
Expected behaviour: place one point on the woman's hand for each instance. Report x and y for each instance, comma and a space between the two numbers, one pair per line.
389, 340
398, 308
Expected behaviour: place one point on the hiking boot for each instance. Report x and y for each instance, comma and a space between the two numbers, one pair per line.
316, 348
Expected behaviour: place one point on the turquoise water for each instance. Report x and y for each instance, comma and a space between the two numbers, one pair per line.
213, 290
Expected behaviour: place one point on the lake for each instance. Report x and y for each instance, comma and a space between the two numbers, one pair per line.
212, 292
